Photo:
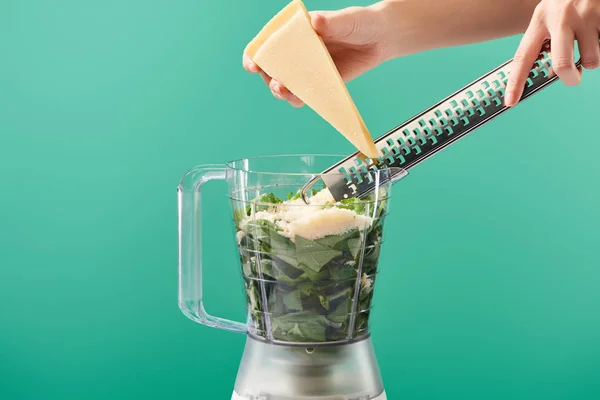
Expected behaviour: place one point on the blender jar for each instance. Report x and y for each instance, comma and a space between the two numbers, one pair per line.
309, 270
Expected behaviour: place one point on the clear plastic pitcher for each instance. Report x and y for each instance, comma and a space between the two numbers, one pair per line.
309, 270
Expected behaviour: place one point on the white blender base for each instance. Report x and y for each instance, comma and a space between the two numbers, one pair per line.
238, 397
335, 372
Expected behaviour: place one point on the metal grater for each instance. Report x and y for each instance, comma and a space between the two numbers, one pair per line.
433, 130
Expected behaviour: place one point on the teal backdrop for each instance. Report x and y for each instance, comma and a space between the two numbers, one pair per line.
104, 105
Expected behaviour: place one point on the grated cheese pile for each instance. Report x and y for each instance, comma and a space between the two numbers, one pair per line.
311, 221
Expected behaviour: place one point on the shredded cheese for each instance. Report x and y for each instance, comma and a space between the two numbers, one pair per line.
318, 219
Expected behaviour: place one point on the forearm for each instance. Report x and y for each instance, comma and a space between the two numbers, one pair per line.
421, 25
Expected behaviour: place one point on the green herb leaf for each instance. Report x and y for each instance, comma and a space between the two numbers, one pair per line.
239, 214
355, 246
293, 300
308, 284
298, 194
344, 270
353, 204
342, 311
314, 255
324, 302
282, 271
302, 326
315, 276
293, 196
268, 198
337, 242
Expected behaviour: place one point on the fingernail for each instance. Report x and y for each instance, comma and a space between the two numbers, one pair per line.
318, 21
509, 99
249, 64
277, 89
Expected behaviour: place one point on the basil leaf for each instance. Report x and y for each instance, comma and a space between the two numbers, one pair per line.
314, 255
308, 285
293, 300
302, 326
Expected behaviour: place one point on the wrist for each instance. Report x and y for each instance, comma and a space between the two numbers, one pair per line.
414, 26
400, 27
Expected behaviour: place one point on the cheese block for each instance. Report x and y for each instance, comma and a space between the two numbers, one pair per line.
290, 51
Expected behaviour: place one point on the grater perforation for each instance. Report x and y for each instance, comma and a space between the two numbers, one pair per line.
434, 129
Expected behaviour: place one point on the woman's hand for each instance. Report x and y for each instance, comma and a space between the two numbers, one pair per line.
562, 21
355, 38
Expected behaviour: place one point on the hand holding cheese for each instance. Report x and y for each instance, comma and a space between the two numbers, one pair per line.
354, 37
289, 50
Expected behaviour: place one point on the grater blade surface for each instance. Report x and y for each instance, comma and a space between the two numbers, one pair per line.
434, 129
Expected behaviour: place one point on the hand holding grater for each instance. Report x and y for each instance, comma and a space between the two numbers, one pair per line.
433, 130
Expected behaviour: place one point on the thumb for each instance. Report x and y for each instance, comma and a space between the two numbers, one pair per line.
353, 25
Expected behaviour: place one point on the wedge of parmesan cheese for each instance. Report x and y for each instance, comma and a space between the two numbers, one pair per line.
289, 50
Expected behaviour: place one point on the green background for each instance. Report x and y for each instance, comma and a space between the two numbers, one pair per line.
492, 294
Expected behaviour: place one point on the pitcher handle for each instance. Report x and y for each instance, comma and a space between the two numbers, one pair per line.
190, 247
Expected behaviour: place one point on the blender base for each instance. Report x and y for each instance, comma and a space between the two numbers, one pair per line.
335, 372
238, 397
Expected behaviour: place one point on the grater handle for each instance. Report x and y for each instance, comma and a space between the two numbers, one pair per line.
439, 126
